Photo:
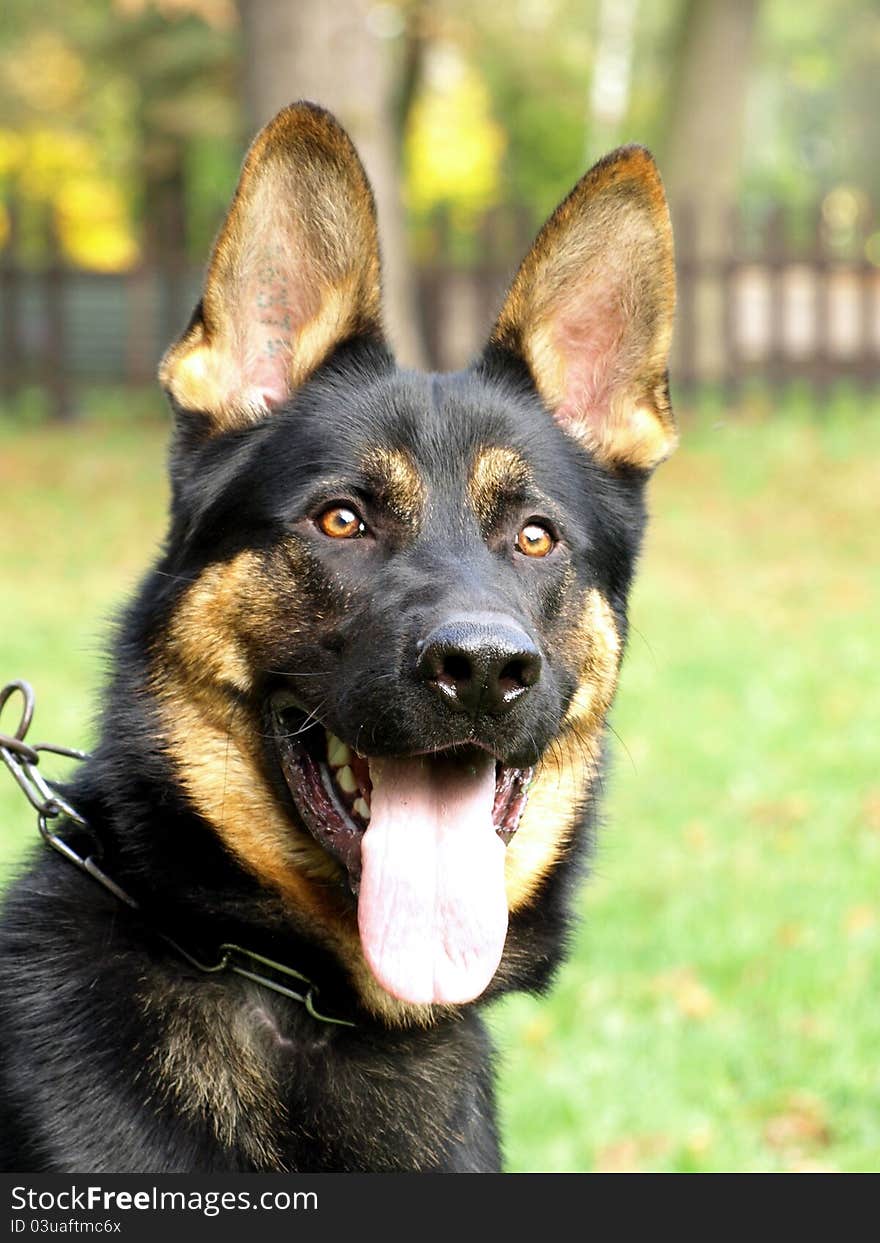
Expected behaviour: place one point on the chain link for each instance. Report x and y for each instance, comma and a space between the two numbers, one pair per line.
22, 759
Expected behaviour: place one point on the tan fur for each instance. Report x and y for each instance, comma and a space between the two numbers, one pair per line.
206, 634
221, 1061
495, 474
214, 742
211, 743
206, 651
602, 654
570, 766
591, 311
218, 1061
294, 272
397, 484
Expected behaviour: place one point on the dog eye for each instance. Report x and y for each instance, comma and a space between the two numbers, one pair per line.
341, 522
534, 540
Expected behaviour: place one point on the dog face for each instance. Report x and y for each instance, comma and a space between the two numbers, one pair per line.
400, 600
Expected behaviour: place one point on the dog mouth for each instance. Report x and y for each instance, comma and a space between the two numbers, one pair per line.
422, 838
331, 786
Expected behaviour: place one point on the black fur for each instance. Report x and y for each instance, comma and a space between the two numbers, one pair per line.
78, 1083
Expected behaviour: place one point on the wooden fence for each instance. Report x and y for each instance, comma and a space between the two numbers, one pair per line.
777, 300
768, 297
759, 302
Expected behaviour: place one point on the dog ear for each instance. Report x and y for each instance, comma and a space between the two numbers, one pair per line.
590, 312
294, 273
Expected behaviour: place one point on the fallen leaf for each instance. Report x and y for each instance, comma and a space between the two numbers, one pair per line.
871, 810
802, 1123
690, 995
859, 919
628, 1155
790, 934
780, 813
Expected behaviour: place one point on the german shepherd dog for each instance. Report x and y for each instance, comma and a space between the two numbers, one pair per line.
356, 714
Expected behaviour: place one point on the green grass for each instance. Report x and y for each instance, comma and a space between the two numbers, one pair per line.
720, 1011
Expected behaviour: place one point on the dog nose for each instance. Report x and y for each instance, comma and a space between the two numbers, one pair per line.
479, 664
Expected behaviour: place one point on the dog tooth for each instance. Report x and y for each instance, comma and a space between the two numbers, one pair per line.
346, 780
362, 807
337, 752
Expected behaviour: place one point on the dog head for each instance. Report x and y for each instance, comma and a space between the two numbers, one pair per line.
402, 605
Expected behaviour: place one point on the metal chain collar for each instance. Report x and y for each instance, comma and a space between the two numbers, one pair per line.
22, 760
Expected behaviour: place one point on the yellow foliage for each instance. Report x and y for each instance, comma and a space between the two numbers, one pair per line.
11, 152
94, 224
453, 145
62, 171
219, 13
51, 157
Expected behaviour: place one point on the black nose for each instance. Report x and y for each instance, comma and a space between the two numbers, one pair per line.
479, 663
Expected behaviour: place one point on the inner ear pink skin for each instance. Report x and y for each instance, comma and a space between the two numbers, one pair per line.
589, 340
280, 307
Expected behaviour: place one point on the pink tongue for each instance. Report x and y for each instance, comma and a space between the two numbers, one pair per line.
432, 909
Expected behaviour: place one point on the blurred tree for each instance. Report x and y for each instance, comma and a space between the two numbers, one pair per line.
118, 114
814, 109
612, 73
535, 59
703, 155
107, 103
341, 56
454, 146
184, 95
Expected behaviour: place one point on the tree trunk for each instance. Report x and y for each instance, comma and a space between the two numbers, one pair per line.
703, 156
337, 54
